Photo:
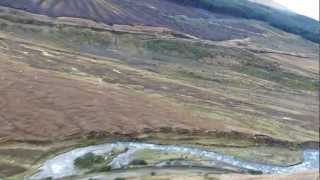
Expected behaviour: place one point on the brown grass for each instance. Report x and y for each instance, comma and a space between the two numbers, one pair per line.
37, 104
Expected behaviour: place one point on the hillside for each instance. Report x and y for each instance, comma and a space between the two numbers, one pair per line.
271, 3
223, 16
152, 72
286, 21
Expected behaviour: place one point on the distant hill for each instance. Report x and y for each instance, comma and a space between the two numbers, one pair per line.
167, 13
158, 13
289, 22
271, 3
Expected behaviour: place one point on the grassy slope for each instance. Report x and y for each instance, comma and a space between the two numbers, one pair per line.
211, 68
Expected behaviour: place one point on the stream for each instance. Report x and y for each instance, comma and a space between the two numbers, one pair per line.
62, 165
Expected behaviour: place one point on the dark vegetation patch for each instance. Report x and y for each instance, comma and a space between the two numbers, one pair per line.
120, 178
138, 162
88, 160
177, 48
93, 163
99, 169
199, 75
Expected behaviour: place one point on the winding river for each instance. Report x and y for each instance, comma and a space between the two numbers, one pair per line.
62, 165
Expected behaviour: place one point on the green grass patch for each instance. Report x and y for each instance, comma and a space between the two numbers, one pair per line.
285, 78
198, 75
177, 48
270, 155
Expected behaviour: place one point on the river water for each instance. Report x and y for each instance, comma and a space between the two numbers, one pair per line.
62, 165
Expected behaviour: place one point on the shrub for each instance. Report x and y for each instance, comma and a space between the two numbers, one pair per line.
88, 160
138, 162
119, 178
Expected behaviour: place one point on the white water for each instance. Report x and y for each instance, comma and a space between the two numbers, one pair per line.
62, 165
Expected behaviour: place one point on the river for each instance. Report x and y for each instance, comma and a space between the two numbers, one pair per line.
62, 165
